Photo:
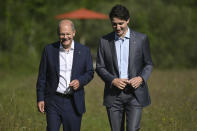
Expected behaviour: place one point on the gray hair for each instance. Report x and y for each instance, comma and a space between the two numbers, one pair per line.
65, 21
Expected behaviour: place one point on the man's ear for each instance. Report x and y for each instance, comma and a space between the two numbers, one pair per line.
74, 32
128, 21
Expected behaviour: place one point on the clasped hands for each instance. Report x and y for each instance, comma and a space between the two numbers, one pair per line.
121, 83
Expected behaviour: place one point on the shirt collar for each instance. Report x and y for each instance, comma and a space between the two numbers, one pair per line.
72, 46
127, 36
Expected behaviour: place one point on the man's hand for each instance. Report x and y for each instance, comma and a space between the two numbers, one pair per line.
136, 82
41, 106
120, 83
74, 84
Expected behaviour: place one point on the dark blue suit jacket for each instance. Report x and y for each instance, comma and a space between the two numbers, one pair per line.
48, 77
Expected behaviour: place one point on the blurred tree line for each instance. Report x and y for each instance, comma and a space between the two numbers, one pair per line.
27, 26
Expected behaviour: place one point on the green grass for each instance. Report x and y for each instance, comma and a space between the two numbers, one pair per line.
173, 108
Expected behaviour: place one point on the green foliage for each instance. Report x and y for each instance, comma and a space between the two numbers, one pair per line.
171, 29
27, 26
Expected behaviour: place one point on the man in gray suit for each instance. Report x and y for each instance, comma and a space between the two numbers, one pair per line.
124, 63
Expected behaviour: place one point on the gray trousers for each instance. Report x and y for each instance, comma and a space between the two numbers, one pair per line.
127, 106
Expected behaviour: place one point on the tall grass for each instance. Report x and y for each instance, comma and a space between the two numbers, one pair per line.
173, 108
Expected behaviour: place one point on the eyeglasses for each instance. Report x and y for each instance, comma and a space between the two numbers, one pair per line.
64, 35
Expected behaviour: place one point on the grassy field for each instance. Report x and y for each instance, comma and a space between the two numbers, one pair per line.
173, 108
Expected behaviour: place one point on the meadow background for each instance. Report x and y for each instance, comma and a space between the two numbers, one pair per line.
27, 26
173, 108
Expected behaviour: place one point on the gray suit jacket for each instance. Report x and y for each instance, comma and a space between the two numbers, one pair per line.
140, 64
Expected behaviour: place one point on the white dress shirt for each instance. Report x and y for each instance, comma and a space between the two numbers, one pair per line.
65, 62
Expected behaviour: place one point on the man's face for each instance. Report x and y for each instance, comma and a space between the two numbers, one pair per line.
120, 26
66, 34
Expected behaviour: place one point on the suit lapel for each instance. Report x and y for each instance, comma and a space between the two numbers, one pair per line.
76, 59
132, 46
56, 58
114, 54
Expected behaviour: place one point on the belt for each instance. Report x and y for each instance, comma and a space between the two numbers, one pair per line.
128, 89
64, 95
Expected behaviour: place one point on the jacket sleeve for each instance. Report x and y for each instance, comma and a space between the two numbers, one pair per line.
89, 70
148, 64
41, 82
100, 64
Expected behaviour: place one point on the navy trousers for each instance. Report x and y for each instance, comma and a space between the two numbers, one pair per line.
125, 105
61, 110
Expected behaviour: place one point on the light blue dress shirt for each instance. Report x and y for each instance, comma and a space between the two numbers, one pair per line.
122, 51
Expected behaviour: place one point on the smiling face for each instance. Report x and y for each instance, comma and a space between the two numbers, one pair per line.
120, 26
66, 33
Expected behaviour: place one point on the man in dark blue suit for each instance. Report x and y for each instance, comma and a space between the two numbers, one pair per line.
65, 68
124, 63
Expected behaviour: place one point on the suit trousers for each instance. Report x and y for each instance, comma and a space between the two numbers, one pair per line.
61, 110
125, 105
